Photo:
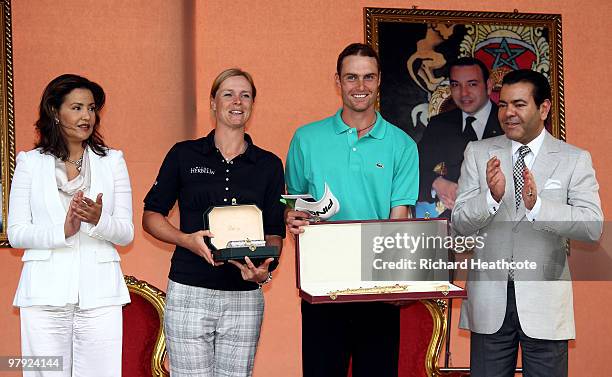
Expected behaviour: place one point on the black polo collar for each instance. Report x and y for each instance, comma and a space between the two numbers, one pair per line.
208, 146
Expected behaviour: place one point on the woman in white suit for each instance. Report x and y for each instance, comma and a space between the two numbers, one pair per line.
70, 201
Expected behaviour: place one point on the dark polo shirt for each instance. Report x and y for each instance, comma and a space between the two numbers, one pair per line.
195, 173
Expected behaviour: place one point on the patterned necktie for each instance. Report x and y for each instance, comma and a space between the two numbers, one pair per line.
517, 174
468, 131
519, 182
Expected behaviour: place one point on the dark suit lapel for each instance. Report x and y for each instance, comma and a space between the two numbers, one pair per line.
502, 149
458, 122
492, 127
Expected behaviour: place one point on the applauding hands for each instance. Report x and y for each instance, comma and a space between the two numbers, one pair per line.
82, 209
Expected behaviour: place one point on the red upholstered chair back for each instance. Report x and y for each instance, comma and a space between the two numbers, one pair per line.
422, 329
416, 331
144, 346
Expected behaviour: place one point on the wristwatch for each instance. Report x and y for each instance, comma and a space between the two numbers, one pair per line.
268, 279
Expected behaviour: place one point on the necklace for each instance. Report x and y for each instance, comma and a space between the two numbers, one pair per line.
242, 150
364, 130
78, 164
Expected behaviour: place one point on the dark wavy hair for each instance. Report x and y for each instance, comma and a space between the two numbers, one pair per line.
50, 137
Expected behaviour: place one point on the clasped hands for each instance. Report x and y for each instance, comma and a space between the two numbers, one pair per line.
82, 209
250, 272
496, 181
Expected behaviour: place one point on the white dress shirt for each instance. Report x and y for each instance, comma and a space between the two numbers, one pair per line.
482, 116
534, 148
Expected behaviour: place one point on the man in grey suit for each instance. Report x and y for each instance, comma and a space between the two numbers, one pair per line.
526, 193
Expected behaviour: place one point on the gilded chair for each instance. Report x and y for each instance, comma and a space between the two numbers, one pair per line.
144, 343
422, 329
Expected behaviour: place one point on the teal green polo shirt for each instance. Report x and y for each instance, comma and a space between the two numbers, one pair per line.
368, 176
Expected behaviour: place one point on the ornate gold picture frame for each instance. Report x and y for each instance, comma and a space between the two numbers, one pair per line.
415, 46
7, 115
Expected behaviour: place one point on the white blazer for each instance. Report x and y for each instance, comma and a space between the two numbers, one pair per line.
85, 267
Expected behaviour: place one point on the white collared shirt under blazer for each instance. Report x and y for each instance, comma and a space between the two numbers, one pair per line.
570, 209
83, 269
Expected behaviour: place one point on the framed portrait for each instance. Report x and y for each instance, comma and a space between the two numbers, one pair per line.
7, 115
415, 47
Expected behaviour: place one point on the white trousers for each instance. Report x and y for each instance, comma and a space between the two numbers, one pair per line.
88, 340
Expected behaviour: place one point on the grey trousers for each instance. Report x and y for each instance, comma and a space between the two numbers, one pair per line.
212, 333
495, 355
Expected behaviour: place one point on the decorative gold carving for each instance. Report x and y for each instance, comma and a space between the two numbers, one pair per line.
497, 75
397, 288
442, 304
250, 244
440, 169
439, 99
435, 344
372, 290
158, 299
7, 115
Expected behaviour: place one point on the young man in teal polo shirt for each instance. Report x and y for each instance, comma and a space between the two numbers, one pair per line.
372, 168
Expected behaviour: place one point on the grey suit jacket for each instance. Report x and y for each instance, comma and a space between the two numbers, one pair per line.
570, 209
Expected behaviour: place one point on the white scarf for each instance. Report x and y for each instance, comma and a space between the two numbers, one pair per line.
80, 182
